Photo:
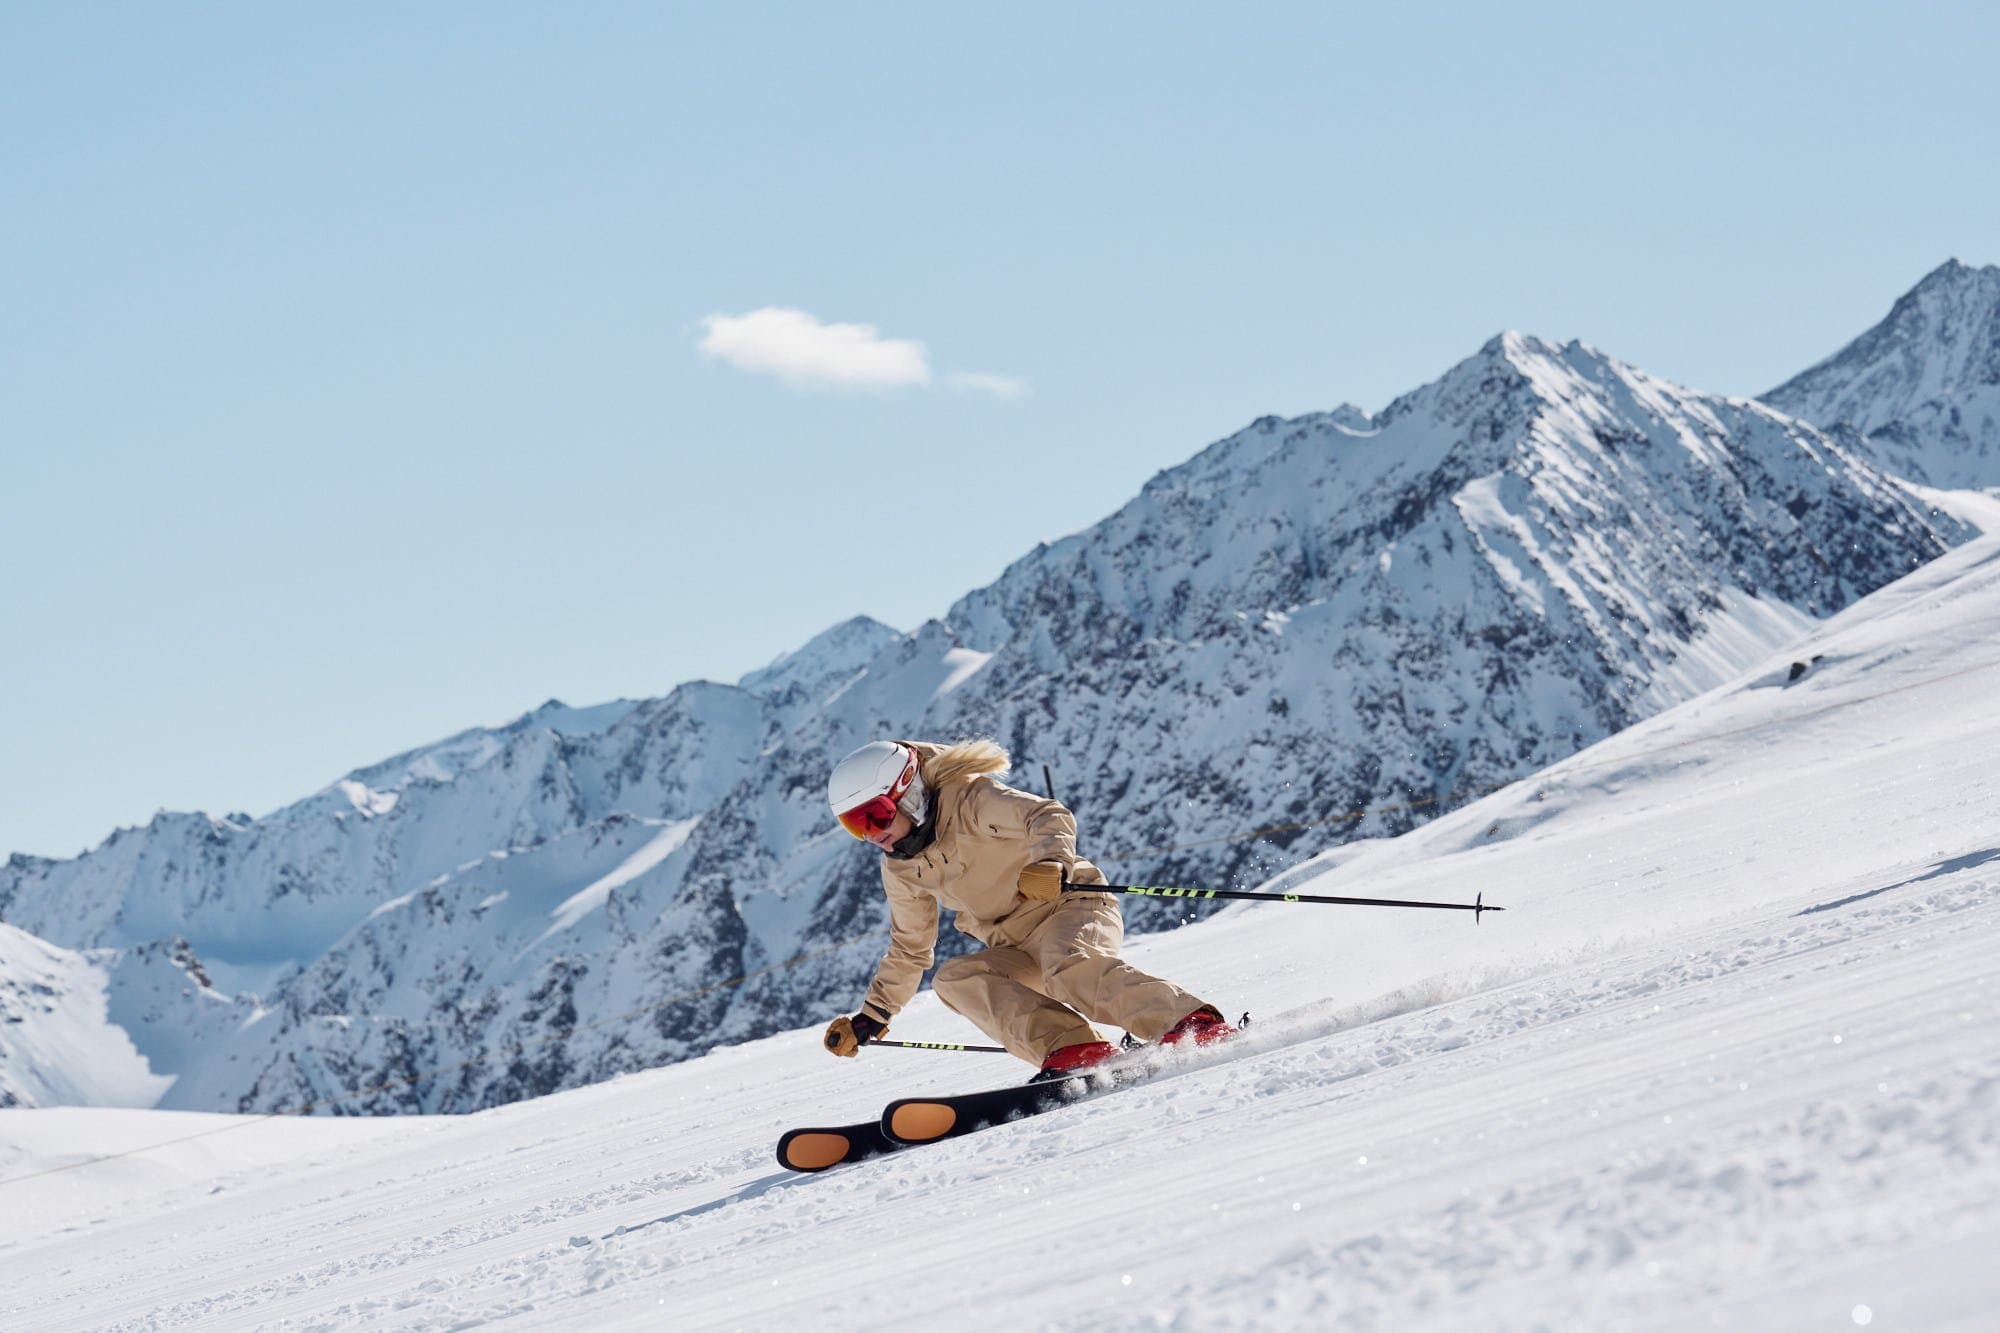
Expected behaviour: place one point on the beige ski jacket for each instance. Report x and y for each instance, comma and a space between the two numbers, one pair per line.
987, 834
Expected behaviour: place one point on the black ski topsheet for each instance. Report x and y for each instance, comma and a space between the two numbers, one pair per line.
821, 1148
928, 1119
818, 1149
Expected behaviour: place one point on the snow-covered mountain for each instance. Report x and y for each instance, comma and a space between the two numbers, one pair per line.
113, 1027
1922, 388
1310, 619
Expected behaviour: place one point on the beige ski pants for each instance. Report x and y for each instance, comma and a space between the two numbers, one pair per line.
1044, 991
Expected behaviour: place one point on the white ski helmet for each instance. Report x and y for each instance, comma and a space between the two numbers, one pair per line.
868, 788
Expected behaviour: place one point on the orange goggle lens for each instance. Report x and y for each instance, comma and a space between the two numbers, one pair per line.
869, 818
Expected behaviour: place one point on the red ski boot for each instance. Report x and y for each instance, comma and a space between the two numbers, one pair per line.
1064, 1061
1204, 1027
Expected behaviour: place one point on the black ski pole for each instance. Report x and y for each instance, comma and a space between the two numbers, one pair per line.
937, 1046
1477, 906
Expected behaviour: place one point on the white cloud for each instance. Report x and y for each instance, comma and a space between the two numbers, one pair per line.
985, 381
800, 350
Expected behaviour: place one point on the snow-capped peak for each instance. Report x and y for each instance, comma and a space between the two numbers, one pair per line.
564, 720
824, 663
1923, 385
1349, 417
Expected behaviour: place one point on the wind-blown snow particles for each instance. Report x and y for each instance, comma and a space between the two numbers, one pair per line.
1730, 1056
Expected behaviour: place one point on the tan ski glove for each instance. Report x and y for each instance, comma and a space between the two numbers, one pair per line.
1042, 882
846, 1036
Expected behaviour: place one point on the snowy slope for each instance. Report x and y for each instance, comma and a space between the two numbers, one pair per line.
429, 964
1922, 388
57, 1041
1732, 1056
104, 1027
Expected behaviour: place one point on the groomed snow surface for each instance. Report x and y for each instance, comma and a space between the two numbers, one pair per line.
1731, 1058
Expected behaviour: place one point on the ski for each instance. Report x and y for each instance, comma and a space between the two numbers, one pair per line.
909, 1121
913, 1120
818, 1149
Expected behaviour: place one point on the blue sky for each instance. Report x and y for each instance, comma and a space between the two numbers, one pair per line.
352, 374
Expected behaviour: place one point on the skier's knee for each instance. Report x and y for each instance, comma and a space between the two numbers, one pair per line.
951, 969
1076, 979
955, 971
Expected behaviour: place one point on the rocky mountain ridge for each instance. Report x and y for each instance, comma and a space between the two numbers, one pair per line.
1314, 617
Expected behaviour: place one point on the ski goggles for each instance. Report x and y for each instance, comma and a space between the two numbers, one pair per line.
871, 817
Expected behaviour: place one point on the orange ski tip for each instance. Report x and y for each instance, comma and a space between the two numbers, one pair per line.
815, 1150
916, 1122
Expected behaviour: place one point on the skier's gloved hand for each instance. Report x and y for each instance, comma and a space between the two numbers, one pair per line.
846, 1036
1042, 882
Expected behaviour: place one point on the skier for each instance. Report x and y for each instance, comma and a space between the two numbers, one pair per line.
953, 835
